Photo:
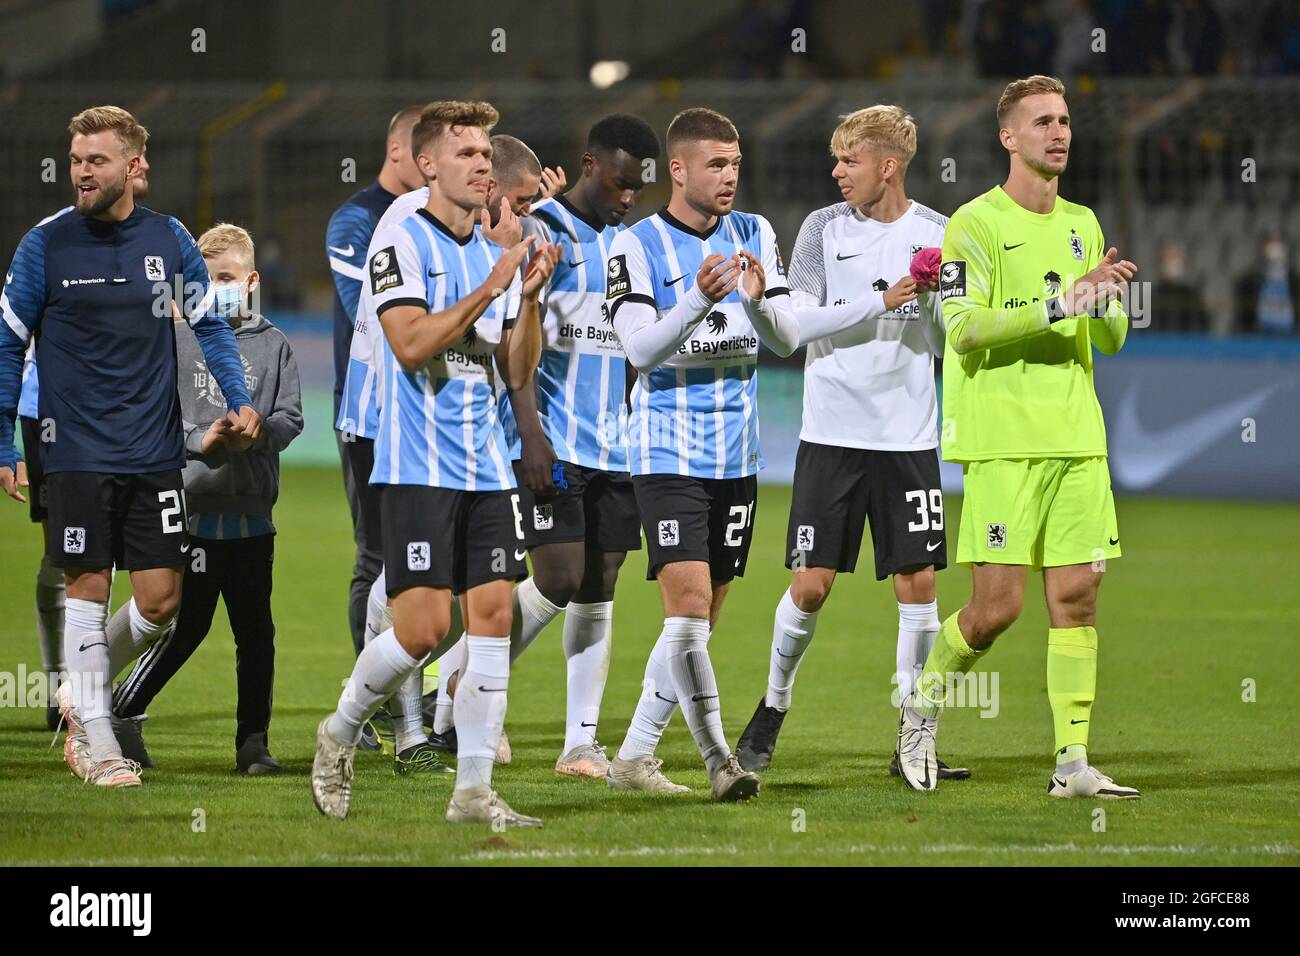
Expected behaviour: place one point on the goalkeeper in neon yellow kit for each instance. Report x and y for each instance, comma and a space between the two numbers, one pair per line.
1028, 289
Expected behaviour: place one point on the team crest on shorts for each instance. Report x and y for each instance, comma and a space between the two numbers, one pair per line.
804, 537
153, 268
669, 536
417, 556
997, 536
74, 540
543, 517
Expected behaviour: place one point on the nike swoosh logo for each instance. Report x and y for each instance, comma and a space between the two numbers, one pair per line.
1009, 248
369, 688
96, 644
9, 277
1058, 781
699, 697
185, 549
345, 251
840, 258
1140, 458
574, 265
931, 547
585, 724
664, 699
1078, 721
434, 275
491, 690
520, 555
783, 654
668, 282
1114, 541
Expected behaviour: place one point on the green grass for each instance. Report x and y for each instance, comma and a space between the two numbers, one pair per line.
1204, 599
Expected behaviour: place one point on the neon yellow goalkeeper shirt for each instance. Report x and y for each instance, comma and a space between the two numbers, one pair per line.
1014, 384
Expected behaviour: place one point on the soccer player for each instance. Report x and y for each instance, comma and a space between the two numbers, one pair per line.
99, 287
232, 495
868, 447
50, 594
1028, 288
414, 752
691, 291
346, 239
446, 298
569, 428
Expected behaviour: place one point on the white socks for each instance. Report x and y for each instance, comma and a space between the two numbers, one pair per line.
587, 645
654, 708
50, 597
380, 670
452, 661
480, 708
792, 632
85, 648
918, 625
530, 615
687, 643
408, 720
129, 635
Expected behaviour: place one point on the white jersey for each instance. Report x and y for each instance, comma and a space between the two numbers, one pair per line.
879, 394
359, 407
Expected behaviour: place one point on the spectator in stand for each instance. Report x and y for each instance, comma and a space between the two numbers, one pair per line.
1266, 298
1175, 304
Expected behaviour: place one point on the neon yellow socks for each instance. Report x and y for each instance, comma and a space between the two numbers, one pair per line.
950, 655
1071, 688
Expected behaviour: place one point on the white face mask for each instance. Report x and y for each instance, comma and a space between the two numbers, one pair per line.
227, 299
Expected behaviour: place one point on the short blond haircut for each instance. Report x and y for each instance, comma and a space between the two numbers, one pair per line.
437, 117
1017, 90
98, 119
226, 237
883, 129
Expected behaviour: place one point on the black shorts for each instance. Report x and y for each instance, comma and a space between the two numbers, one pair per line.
697, 519
34, 454
598, 507
444, 538
837, 490
132, 522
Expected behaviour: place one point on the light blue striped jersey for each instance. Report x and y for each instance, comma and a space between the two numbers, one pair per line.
438, 426
582, 375
697, 414
359, 401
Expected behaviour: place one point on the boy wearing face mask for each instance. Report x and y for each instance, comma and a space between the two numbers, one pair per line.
230, 488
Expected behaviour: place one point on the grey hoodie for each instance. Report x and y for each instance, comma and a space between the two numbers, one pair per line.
238, 482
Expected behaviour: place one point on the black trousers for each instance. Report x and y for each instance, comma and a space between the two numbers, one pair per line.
358, 458
237, 571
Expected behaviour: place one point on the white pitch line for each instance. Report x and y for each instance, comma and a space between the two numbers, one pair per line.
642, 852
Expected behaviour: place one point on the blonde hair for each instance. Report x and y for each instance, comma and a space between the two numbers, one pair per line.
98, 119
224, 237
1017, 90
441, 115
884, 129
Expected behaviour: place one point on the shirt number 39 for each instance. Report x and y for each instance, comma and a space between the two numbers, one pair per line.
929, 509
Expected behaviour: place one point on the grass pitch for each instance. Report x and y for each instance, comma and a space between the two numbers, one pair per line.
1203, 601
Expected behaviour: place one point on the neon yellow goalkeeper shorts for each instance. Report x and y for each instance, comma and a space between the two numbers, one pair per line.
1040, 512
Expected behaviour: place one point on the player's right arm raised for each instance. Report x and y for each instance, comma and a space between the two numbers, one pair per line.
414, 333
